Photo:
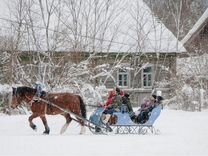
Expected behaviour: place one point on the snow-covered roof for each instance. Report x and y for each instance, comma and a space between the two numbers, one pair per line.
141, 31
132, 27
198, 25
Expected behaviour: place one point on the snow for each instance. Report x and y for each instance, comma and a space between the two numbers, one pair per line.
5, 88
187, 90
195, 65
131, 27
181, 134
94, 96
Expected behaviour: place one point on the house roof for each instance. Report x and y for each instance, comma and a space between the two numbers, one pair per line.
134, 29
196, 28
141, 31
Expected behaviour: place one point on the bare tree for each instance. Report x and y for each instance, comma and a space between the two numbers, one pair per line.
43, 27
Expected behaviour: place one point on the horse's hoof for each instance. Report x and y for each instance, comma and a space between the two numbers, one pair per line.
34, 127
46, 132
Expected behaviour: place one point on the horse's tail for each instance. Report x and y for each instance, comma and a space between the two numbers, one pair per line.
82, 107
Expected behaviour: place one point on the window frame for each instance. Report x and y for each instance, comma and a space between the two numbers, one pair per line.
127, 73
147, 77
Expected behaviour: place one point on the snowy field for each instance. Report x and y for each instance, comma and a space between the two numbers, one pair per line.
181, 134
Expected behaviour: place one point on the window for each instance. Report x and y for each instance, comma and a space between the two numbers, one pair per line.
123, 77
147, 77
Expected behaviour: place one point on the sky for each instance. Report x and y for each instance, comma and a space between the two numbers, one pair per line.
4, 8
4, 11
181, 134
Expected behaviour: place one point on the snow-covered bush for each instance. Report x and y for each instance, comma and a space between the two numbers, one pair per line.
5, 93
93, 96
187, 94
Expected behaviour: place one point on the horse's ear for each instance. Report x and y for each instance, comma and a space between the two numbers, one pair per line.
14, 90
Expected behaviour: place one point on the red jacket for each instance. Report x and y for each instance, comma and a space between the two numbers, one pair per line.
122, 93
110, 99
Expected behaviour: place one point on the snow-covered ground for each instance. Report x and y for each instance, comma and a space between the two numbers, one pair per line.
181, 133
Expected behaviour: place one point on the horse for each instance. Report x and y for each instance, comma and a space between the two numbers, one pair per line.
65, 104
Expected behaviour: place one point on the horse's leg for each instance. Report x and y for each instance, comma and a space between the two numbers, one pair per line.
47, 129
83, 128
32, 125
68, 120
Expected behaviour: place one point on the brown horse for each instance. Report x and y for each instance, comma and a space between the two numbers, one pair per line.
51, 104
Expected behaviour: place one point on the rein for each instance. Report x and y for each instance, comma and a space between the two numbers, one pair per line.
96, 106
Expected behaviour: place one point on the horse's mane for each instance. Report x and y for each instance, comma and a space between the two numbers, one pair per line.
23, 90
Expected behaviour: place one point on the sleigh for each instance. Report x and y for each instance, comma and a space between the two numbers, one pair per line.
121, 123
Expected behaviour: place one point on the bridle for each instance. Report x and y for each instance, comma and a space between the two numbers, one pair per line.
14, 93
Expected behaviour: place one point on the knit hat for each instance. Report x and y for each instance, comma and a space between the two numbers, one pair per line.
118, 90
126, 95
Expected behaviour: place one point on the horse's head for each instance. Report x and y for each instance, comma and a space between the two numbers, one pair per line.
21, 94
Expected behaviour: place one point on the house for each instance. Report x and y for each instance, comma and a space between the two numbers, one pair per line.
128, 47
150, 50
